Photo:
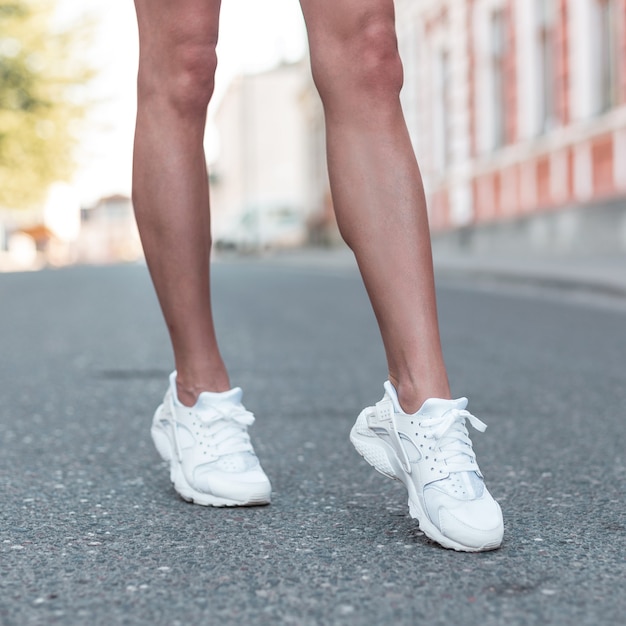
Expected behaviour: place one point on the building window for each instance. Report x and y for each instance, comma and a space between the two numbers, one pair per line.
498, 51
606, 53
546, 23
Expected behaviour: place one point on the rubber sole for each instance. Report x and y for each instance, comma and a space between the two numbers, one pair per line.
383, 459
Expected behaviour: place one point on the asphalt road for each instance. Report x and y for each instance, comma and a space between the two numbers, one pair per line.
91, 531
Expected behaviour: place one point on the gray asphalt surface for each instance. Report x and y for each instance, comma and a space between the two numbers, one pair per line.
91, 531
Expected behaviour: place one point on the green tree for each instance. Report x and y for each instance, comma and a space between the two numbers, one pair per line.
41, 100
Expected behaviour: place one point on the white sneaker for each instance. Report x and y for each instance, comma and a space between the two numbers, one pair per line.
431, 453
212, 461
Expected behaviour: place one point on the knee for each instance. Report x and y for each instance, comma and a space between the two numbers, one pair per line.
376, 59
364, 61
181, 73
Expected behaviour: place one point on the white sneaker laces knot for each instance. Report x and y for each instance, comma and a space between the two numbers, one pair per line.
236, 414
453, 439
224, 430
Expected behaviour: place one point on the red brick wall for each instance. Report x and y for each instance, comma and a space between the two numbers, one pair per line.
544, 197
485, 198
439, 210
510, 196
570, 173
602, 165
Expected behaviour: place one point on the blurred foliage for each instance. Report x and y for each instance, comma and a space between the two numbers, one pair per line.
42, 99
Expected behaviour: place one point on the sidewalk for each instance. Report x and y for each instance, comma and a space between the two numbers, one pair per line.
594, 274
600, 275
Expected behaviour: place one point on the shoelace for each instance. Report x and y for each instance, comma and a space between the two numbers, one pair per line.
453, 438
228, 429
225, 429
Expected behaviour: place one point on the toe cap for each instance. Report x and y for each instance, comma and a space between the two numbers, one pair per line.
473, 524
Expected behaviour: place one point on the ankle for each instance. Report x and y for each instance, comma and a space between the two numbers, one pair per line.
412, 396
188, 388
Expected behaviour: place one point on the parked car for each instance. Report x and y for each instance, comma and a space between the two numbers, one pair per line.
263, 229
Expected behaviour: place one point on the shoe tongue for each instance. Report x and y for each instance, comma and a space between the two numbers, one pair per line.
433, 407
209, 399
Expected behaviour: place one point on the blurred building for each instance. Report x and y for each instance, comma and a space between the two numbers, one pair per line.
259, 181
517, 111
321, 222
42, 236
64, 234
109, 232
20, 241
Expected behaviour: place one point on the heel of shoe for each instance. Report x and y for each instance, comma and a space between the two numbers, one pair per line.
160, 439
371, 448
161, 443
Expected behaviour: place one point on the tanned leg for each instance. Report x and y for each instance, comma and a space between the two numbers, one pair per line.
376, 184
170, 183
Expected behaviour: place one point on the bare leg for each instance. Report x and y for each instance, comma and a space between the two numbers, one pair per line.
170, 183
376, 184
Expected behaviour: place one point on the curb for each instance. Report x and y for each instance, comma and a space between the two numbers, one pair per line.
550, 280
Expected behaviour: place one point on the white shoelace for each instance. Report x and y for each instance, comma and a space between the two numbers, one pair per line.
228, 429
224, 430
453, 438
